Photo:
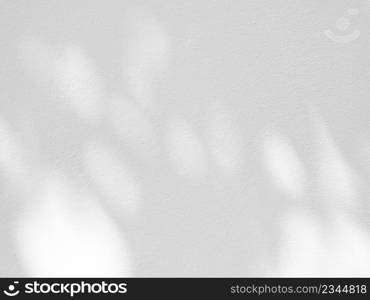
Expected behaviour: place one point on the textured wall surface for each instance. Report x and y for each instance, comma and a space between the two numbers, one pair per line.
185, 138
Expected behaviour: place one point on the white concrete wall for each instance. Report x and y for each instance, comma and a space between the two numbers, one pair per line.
184, 138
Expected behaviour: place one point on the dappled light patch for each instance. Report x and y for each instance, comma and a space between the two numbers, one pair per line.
146, 51
283, 164
336, 179
114, 178
313, 248
134, 129
79, 83
185, 150
11, 153
224, 139
64, 233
